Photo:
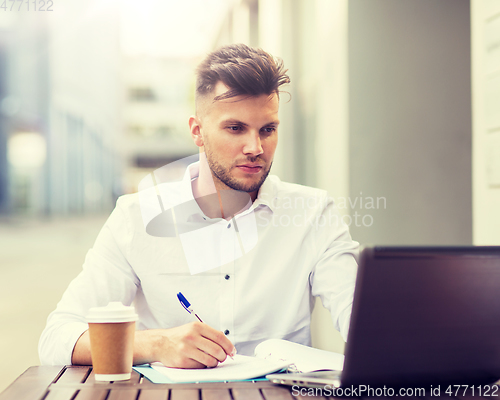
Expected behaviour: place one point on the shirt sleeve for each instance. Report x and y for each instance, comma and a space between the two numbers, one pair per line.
334, 274
106, 276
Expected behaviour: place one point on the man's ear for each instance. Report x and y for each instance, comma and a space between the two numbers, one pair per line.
195, 128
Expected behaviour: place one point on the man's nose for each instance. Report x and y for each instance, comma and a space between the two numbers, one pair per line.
253, 145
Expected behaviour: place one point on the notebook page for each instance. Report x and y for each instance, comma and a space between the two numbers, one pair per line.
241, 368
304, 358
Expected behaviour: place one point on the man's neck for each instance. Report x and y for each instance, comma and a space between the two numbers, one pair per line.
215, 199
219, 203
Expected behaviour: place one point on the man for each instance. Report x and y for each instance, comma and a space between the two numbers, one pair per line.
282, 244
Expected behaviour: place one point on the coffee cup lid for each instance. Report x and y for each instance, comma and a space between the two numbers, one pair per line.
115, 311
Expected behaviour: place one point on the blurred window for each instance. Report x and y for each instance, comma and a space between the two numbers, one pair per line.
135, 130
163, 130
142, 94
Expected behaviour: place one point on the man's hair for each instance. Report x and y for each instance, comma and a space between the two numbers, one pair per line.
244, 70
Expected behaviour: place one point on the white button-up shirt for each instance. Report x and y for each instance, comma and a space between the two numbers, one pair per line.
288, 246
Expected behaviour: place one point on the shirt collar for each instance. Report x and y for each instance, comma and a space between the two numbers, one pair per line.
267, 194
192, 172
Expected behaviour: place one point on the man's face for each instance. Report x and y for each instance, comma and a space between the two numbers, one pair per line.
239, 136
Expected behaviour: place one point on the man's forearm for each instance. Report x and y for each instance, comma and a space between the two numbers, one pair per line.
194, 345
81, 351
143, 343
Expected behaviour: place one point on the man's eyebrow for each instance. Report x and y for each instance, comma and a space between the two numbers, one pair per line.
237, 122
233, 121
275, 122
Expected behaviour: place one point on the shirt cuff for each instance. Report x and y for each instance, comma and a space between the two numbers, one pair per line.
59, 352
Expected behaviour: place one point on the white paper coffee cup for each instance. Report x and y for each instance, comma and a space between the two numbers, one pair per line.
112, 331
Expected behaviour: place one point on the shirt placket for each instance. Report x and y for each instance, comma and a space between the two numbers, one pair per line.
227, 286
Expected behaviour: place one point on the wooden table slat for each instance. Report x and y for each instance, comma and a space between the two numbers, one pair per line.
151, 394
74, 374
32, 384
91, 378
120, 394
60, 394
215, 394
246, 394
277, 393
184, 394
92, 394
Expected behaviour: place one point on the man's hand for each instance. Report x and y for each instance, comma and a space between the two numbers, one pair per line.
194, 345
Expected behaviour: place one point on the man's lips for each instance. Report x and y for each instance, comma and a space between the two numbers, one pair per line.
250, 168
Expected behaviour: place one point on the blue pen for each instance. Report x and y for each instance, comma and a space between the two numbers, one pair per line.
187, 305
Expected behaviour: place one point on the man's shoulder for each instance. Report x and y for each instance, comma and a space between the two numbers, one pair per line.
164, 195
127, 209
301, 196
127, 202
282, 188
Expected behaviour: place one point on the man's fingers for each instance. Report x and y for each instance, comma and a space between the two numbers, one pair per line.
199, 360
194, 345
200, 353
211, 348
218, 338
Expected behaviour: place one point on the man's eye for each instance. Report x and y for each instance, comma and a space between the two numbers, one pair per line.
234, 128
269, 129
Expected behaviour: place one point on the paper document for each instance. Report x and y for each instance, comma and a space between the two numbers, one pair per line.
241, 368
305, 359
272, 355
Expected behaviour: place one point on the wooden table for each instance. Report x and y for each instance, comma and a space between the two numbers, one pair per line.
78, 383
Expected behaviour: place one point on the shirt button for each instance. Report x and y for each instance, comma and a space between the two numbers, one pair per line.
226, 332
227, 277
229, 226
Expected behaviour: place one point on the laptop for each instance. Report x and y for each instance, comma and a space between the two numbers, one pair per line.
421, 316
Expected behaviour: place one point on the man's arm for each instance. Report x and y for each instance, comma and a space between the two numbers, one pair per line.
193, 345
334, 275
106, 276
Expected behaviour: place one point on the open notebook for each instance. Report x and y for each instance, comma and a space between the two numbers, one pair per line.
270, 356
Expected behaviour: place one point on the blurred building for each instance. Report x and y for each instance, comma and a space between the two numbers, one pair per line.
60, 110
158, 99
24, 109
4, 182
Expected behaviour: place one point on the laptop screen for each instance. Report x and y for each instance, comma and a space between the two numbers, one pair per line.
425, 315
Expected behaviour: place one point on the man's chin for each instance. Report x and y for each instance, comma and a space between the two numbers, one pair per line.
247, 185
243, 183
